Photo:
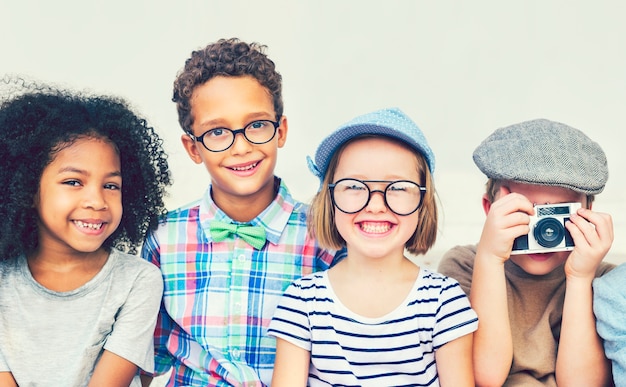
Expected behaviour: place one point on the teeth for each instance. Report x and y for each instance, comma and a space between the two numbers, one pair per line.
375, 228
92, 226
246, 168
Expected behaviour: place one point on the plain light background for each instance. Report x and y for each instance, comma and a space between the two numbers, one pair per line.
459, 69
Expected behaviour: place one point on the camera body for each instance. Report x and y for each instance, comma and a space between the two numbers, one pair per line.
547, 230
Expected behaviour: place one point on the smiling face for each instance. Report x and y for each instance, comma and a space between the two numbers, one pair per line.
375, 231
544, 263
79, 202
243, 173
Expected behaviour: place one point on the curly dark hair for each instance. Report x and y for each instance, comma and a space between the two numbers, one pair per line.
39, 123
226, 57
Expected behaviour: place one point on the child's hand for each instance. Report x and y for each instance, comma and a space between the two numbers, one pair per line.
592, 233
508, 218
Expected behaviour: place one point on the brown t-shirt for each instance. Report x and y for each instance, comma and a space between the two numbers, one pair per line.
535, 312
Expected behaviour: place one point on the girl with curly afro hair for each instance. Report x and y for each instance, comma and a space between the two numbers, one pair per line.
83, 181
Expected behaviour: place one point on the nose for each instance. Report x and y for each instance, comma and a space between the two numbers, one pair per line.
376, 202
241, 145
94, 199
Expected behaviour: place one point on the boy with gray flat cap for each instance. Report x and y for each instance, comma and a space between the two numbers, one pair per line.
529, 278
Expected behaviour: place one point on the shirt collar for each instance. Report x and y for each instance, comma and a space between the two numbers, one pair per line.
274, 218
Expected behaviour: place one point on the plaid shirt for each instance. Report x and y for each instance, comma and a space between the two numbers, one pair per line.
219, 297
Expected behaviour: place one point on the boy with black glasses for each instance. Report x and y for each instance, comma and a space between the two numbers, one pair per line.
227, 258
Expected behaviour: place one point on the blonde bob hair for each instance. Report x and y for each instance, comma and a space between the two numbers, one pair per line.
321, 220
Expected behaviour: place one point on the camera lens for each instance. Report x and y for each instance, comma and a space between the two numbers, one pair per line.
549, 232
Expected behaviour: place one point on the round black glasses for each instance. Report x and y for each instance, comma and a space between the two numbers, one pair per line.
219, 139
402, 197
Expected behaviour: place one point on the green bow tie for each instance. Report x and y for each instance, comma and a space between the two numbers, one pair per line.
253, 235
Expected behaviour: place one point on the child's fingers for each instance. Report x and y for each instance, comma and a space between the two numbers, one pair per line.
589, 248
507, 219
602, 222
592, 234
582, 239
595, 226
512, 203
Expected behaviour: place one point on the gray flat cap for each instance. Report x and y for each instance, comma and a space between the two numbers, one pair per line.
544, 152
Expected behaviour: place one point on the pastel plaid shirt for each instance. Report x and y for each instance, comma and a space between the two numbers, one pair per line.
219, 297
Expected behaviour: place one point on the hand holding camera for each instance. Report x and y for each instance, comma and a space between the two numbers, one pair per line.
592, 233
507, 218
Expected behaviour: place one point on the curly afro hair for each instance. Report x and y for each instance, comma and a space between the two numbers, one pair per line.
41, 121
230, 58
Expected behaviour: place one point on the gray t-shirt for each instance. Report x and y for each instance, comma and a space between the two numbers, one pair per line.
52, 338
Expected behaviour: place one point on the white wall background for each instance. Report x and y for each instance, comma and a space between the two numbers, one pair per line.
459, 69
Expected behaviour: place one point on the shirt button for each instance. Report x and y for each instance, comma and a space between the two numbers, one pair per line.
236, 353
242, 258
238, 306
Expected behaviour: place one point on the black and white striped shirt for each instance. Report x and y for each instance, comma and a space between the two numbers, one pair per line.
394, 350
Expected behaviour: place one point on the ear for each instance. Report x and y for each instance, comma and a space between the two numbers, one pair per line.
191, 147
486, 204
281, 132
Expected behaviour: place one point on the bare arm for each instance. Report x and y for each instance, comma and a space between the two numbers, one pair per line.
580, 359
454, 363
507, 218
291, 367
493, 343
7, 380
113, 371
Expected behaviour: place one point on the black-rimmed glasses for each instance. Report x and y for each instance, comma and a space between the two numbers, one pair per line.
219, 139
402, 197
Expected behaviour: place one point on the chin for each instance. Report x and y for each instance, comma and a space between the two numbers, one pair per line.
538, 264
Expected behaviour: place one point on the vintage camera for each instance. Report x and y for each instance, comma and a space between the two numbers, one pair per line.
547, 230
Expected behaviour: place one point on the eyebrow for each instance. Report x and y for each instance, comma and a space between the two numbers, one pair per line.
248, 118
71, 169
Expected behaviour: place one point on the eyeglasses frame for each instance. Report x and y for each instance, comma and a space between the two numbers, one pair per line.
199, 138
331, 188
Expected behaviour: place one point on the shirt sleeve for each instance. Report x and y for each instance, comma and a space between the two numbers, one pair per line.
455, 317
291, 319
3, 364
163, 361
133, 329
609, 304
